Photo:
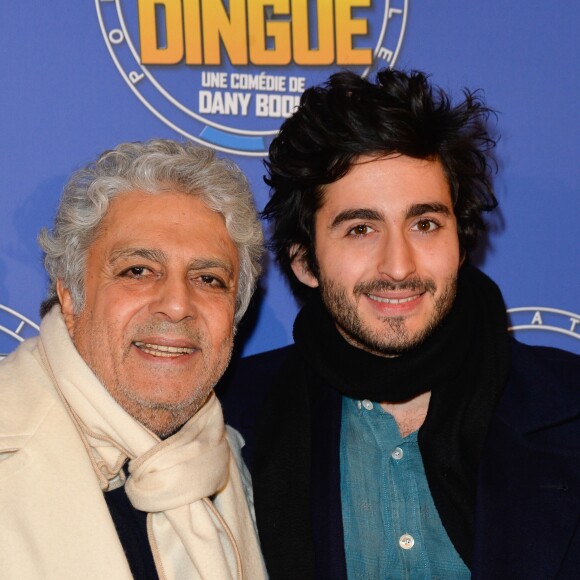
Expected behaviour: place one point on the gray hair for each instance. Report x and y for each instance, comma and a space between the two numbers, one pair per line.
151, 167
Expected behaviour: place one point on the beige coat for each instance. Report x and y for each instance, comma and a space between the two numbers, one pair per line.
54, 521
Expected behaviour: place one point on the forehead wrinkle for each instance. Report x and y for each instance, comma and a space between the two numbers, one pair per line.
356, 214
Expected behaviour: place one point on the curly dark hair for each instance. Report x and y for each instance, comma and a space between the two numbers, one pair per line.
348, 116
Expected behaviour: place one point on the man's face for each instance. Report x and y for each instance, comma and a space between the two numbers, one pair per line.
388, 252
160, 289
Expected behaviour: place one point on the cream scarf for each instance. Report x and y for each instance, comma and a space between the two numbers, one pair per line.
199, 523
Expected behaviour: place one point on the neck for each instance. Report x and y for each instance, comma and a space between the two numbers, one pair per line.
409, 415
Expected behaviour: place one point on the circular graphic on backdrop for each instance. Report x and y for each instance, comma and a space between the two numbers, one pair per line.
544, 319
14, 328
227, 73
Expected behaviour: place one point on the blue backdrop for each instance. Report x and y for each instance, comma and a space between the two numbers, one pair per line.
80, 77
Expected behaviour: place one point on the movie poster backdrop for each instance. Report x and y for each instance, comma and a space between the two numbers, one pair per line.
80, 77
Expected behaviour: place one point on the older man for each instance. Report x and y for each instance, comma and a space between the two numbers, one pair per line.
115, 459
405, 434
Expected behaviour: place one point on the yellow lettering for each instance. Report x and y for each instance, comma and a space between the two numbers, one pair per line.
260, 30
303, 53
151, 51
192, 31
230, 29
204, 32
346, 28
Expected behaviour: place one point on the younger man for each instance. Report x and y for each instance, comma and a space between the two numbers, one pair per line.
405, 434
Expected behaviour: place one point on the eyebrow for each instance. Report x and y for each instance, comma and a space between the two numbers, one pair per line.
363, 213
356, 214
153, 255
422, 208
209, 263
159, 256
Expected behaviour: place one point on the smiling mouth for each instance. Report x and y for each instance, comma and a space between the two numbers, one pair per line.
393, 300
163, 351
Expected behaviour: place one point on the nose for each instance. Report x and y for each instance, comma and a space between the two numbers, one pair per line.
397, 257
174, 299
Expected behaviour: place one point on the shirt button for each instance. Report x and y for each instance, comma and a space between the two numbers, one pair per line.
397, 453
367, 405
406, 541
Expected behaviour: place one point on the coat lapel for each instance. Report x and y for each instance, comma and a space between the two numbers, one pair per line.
55, 521
528, 506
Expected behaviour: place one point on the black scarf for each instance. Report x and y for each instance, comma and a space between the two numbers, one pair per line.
464, 364
361, 375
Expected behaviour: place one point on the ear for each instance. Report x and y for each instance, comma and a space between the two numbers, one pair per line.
66, 306
300, 267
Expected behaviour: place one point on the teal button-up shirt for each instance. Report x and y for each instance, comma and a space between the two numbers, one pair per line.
391, 527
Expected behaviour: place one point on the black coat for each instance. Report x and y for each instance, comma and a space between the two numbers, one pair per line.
527, 522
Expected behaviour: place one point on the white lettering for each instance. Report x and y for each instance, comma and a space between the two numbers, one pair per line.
116, 36
296, 84
244, 102
574, 322
261, 82
385, 54
224, 103
204, 102
134, 76
276, 106
537, 319
261, 105
216, 80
